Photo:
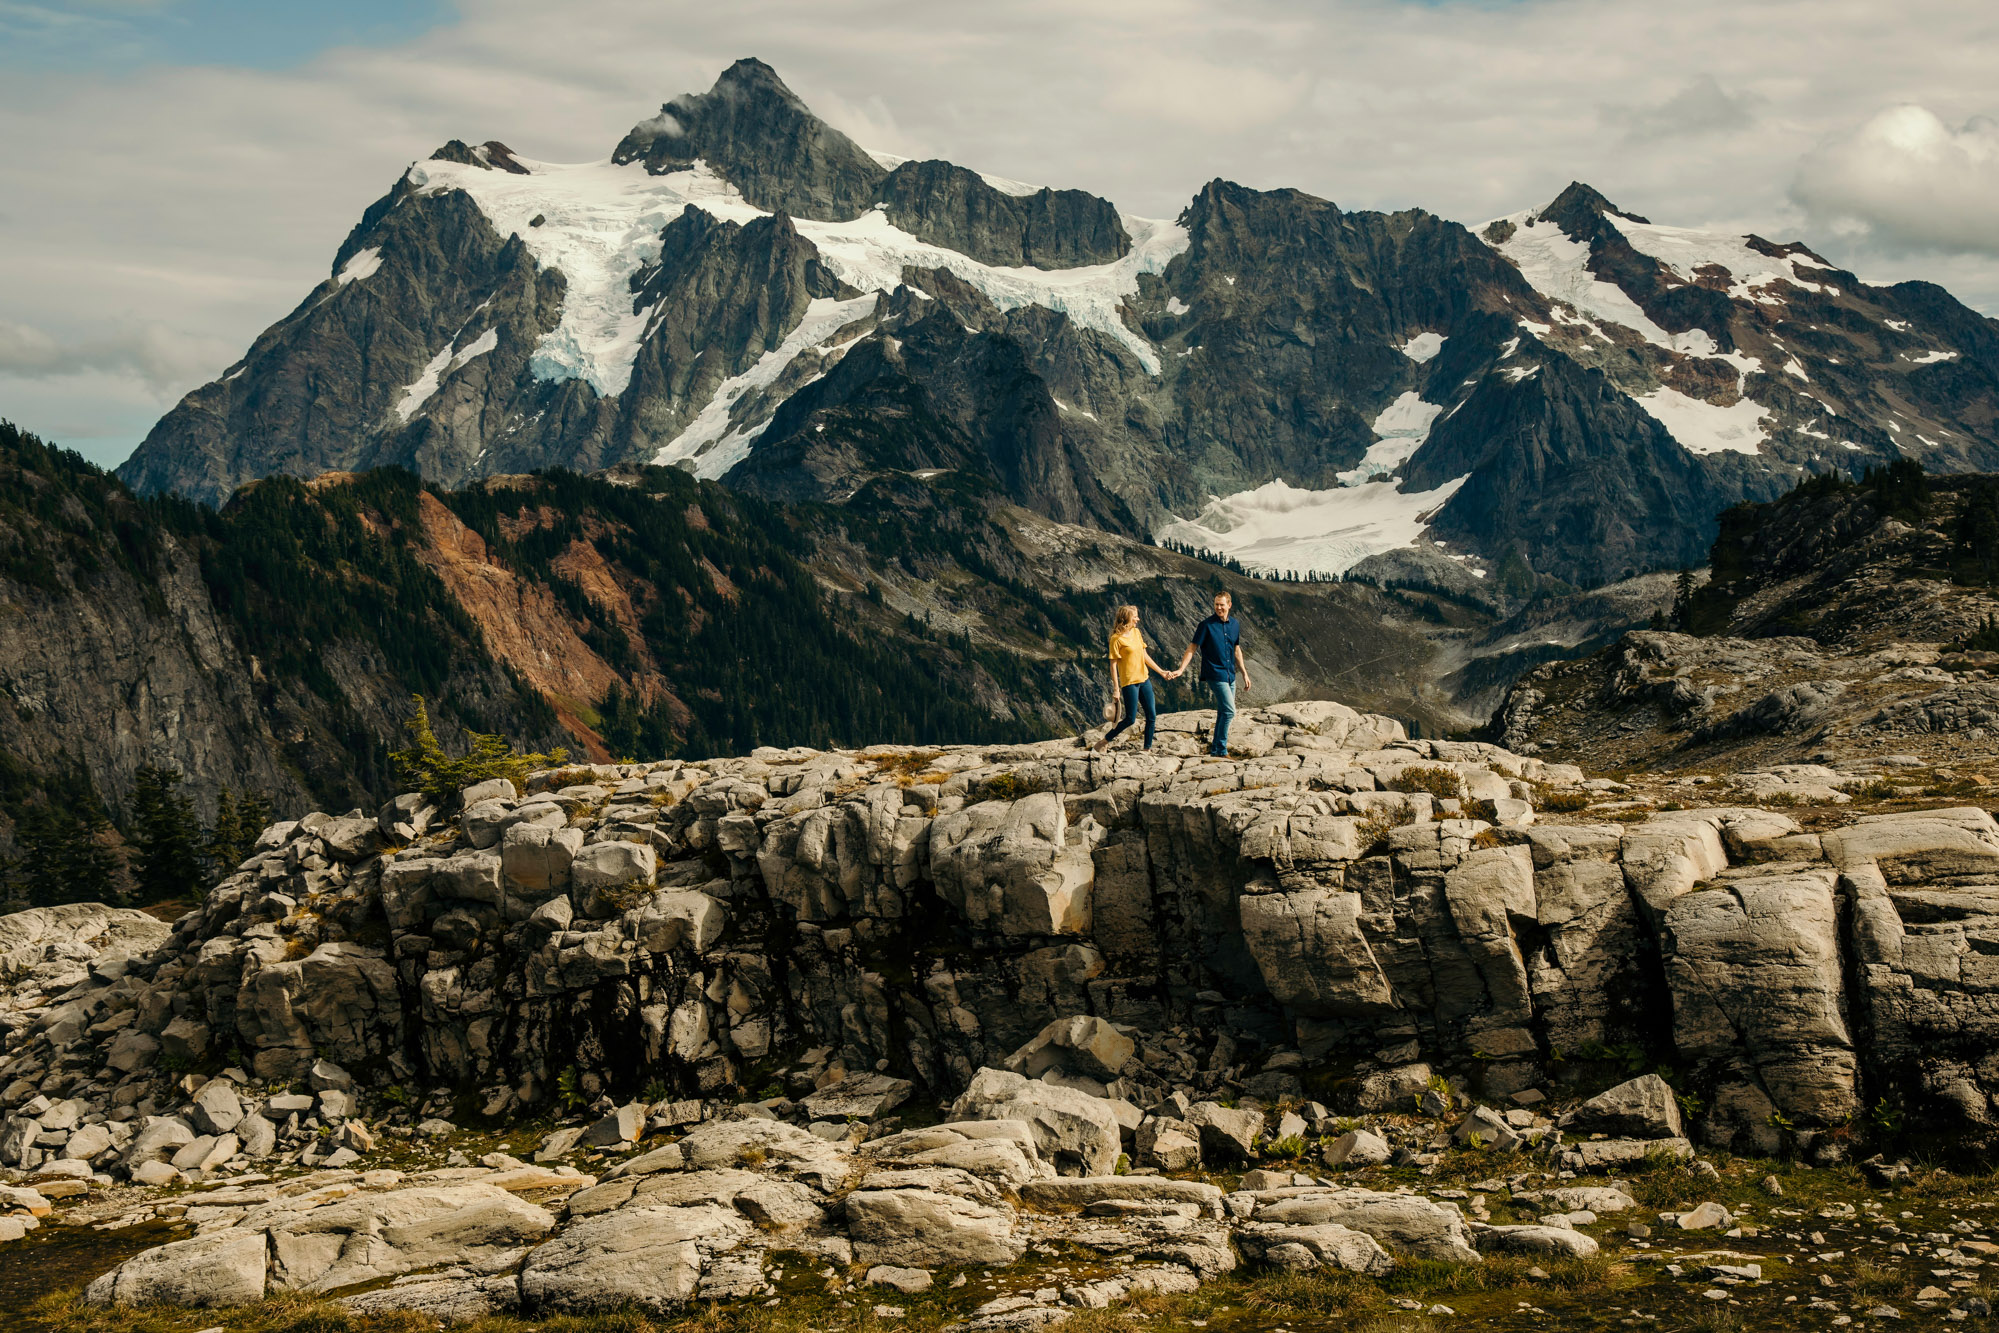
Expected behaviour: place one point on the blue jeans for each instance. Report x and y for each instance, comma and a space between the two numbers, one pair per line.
1136, 697
1224, 692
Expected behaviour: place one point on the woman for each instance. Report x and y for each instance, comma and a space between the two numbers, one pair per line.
1130, 662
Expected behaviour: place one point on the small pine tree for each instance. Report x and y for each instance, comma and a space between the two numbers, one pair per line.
425, 767
253, 816
1683, 599
225, 844
166, 838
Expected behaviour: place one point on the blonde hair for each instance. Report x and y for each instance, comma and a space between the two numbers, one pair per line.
1124, 619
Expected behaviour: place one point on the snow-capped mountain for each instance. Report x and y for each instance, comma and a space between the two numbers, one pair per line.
743, 291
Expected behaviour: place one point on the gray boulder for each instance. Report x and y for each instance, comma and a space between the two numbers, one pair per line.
535, 858
158, 1139
1556, 1242
1077, 1133
1080, 1045
370, 1236
922, 1228
1639, 1108
1226, 1132
1016, 867
862, 1096
1392, 1089
489, 790
222, 1268
1304, 1249
216, 1109
1404, 1223
602, 869
623, 1125
351, 839
1357, 1147
649, 1257
448, 1300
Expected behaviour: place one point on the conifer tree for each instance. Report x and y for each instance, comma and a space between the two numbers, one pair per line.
166, 837
1683, 600
63, 858
253, 816
226, 845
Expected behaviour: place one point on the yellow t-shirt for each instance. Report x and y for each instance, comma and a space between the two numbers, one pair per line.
1128, 652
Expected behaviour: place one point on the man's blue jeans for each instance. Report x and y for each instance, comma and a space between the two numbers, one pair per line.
1224, 692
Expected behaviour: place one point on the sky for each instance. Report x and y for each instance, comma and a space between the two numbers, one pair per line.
179, 173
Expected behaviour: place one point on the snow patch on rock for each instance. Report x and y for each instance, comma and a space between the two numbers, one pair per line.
441, 365
1688, 251
361, 264
709, 446
1423, 347
1403, 426
1703, 428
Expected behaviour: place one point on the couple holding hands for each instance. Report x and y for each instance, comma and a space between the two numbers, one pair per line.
1218, 642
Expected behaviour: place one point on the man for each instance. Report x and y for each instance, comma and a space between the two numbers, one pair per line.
1218, 640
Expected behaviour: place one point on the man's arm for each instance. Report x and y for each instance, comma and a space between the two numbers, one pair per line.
1241, 667
1185, 658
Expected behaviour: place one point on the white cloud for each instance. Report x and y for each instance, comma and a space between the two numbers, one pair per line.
1906, 179
159, 357
209, 200
1703, 106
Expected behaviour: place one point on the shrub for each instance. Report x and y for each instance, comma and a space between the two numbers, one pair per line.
1373, 832
1290, 1148
1565, 802
1004, 787
1442, 783
425, 767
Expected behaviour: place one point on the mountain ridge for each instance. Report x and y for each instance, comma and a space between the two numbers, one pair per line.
1575, 389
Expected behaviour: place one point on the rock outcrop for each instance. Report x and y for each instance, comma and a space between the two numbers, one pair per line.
1303, 917
1246, 945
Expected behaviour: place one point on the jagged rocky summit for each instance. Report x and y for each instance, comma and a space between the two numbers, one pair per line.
742, 290
1087, 959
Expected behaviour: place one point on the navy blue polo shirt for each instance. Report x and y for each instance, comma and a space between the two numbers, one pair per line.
1215, 640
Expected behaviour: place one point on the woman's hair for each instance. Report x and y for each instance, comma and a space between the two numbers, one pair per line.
1126, 617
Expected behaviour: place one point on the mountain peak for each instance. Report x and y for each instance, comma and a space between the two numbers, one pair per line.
749, 76
1580, 203
761, 137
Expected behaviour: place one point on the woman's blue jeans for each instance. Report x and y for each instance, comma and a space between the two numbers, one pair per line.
1136, 697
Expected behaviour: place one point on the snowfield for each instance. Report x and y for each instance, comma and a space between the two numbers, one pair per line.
1281, 528
1687, 252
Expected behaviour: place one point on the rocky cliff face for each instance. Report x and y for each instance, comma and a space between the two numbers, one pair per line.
743, 291
1305, 917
